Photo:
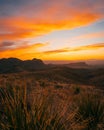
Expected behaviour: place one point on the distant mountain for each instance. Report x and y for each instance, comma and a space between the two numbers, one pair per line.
84, 65
74, 65
78, 65
77, 73
11, 65
89, 62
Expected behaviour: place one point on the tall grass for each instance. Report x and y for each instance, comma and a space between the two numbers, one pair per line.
91, 109
17, 114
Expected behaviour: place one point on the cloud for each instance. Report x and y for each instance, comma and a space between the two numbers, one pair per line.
10, 45
57, 51
31, 51
89, 35
89, 47
17, 46
75, 49
24, 51
5, 45
24, 19
29, 19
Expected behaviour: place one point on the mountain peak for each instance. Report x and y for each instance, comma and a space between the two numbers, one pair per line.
16, 65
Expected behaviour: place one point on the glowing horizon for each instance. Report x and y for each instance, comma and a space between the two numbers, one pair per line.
52, 30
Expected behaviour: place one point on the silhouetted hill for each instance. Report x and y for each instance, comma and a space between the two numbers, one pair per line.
74, 65
78, 65
33, 64
16, 65
79, 73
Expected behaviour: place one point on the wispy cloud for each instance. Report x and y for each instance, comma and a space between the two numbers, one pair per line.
89, 36
31, 51
57, 51
34, 18
75, 49
27, 19
89, 47
10, 45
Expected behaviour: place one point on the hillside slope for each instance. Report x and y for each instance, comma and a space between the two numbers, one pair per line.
12, 65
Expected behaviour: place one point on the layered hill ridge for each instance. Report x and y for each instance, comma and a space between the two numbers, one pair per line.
78, 65
16, 65
12, 65
58, 73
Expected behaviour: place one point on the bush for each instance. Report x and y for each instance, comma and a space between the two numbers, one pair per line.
58, 86
77, 90
43, 84
91, 109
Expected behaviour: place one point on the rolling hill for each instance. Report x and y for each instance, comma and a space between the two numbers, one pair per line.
77, 73
12, 65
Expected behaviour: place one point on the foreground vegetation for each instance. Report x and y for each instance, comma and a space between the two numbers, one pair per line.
42, 105
18, 114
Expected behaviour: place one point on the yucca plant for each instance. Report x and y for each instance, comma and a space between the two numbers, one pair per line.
17, 114
91, 109
77, 89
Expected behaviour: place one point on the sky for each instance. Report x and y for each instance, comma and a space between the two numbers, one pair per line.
52, 29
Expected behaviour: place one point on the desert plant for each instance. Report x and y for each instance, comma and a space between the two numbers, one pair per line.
57, 86
91, 109
43, 84
17, 115
77, 90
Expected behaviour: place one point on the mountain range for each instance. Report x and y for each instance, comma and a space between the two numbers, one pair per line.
12, 65
78, 72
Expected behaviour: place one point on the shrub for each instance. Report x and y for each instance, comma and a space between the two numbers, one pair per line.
58, 86
91, 109
77, 90
43, 84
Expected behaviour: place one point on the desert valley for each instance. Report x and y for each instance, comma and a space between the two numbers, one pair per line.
39, 96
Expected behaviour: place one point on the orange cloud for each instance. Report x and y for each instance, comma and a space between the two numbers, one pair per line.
94, 51
81, 48
51, 18
29, 52
57, 51
35, 18
24, 51
21, 29
90, 35
89, 47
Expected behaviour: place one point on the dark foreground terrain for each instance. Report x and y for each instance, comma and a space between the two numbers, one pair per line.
50, 97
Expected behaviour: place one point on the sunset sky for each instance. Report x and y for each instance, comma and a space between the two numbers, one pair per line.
52, 29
